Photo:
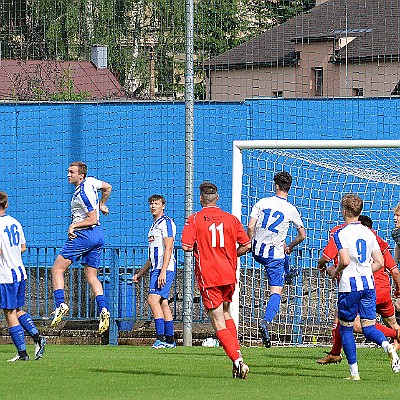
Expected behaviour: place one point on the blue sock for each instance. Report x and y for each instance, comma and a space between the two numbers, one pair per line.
18, 337
59, 297
101, 301
348, 343
169, 328
26, 322
372, 334
272, 307
160, 328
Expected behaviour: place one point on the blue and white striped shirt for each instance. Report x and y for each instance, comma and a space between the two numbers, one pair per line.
163, 227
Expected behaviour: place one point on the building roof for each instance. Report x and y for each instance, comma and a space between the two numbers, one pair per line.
374, 24
56, 80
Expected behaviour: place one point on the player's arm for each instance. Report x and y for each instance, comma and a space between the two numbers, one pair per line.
168, 249
378, 261
343, 262
90, 220
395, 274
251, 227
301, 235
397, 254
243, 249
23, 247
105, 194
136, 278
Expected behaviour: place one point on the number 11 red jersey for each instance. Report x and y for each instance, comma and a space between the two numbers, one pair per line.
214, 234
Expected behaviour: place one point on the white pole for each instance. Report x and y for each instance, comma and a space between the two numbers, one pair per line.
237, 176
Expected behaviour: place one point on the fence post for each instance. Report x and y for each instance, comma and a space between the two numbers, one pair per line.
114, 272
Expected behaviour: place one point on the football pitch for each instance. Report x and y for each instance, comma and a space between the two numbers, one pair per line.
129, 372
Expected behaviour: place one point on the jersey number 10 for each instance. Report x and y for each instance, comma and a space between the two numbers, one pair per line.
217, 230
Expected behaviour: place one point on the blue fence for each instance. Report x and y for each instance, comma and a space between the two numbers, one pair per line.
126, 300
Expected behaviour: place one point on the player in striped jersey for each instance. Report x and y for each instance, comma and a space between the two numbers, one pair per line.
85, 240
162, 265
13, 283
268, 226
359, 257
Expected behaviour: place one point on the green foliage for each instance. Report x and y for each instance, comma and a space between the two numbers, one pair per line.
145, 38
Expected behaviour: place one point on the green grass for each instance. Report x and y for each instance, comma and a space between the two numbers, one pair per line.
127, 372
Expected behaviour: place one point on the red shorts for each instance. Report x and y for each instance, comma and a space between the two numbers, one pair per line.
384, 304
214, 296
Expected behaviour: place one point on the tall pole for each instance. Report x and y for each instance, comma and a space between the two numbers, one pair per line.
189, 172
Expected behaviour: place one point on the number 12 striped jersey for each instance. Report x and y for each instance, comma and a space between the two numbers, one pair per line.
274, 215
214, 234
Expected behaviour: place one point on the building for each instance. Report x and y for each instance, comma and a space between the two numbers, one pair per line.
340, 48
45, 80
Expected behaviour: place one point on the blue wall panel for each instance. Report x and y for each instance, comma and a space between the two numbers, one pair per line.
139, 148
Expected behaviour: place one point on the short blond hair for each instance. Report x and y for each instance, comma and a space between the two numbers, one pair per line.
352, 203
396, 210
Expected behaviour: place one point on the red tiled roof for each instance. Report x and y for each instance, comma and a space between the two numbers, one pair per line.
47, 80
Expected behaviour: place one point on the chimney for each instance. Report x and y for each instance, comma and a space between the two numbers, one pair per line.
99, 56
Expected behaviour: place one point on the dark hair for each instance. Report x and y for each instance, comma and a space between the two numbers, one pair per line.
156, 197
365, 220
82, 168
352, 203
283, 180
3, 200
208, 192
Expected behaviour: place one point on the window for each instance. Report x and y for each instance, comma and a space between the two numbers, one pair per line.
318, 81
277, 93
358, 92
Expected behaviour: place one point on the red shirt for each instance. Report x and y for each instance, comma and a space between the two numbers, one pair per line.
214, 234
381, 277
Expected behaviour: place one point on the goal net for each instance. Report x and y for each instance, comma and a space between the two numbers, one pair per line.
322, 171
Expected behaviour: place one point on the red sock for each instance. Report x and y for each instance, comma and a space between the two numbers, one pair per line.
228, 343
388, 332
230, 325
337, 340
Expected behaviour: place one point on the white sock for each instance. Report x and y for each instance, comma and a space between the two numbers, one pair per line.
385, 345
354, 369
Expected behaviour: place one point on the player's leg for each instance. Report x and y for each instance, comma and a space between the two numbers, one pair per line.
93, 239
167, 314
386, 310
367, 311
275, 271
168, 325
217, 310
97, 289
334, 356
57, 276
154, 300
347, 312
397, 308
12, 296
29, 326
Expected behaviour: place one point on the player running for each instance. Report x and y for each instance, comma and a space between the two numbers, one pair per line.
212, 234
384, 303
268, 226
357, 245
85, 241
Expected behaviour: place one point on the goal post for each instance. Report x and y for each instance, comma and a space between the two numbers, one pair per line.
322, 170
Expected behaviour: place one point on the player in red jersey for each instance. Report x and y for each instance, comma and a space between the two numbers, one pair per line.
384, 303
213, 234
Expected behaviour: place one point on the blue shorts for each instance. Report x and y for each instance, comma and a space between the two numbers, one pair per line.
164, 291
274, 268
12, 295
362, 302
88, 245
